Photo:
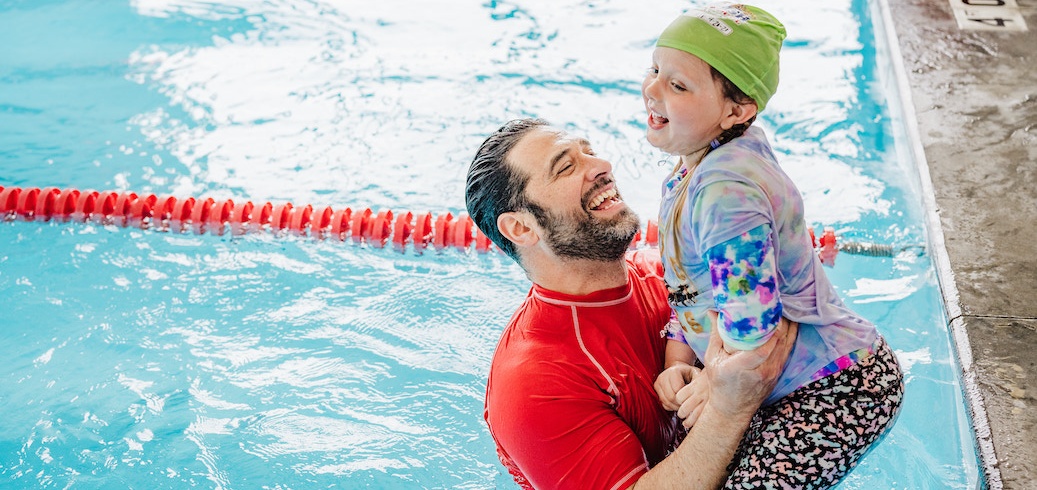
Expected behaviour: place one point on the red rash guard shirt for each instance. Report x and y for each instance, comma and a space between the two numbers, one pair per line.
570, 399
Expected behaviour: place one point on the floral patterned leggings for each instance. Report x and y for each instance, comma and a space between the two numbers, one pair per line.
814, 436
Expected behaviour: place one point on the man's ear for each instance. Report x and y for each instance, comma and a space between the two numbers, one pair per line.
518, 226
738, 114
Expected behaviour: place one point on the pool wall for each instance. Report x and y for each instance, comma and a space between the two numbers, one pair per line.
967, 91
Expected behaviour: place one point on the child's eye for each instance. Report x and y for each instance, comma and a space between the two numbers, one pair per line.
678, 87
653, 71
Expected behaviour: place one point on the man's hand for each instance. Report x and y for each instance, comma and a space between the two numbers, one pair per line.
739, 382
733, 387
672, 380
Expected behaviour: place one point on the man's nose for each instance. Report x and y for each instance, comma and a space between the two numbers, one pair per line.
597, 167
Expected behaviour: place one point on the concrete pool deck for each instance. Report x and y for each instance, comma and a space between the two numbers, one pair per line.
972, 74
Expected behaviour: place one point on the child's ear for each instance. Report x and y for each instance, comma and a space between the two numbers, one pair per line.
519, 227
739, 114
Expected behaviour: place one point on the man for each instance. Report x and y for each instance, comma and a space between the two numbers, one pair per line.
570, 399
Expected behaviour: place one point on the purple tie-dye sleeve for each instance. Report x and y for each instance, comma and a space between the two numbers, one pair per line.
745, 289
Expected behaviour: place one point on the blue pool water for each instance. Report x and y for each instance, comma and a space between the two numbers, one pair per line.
140, 359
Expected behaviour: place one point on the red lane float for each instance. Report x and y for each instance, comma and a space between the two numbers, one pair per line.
209, 215
362, 226
826, 245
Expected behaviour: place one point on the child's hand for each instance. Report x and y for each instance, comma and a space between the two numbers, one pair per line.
692, 399
671, 381
734, 385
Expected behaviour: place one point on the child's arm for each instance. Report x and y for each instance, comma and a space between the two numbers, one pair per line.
678, 352
745, 288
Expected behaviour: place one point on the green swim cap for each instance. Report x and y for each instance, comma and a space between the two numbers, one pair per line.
741, 41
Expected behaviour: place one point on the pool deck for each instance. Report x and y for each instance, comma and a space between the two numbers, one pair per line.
974, 94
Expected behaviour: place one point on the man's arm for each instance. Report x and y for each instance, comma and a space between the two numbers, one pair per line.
738, 383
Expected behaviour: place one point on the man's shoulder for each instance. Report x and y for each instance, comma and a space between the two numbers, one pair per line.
534, 357
526, 352
525, 369
645, 262
646, 277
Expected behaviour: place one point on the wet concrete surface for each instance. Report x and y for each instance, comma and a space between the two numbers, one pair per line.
975, 98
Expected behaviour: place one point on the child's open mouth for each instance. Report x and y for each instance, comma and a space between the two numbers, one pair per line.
656, 121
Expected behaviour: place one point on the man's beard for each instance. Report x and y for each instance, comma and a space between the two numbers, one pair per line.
581, 236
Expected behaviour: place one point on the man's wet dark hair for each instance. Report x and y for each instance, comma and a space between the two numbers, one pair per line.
494, 187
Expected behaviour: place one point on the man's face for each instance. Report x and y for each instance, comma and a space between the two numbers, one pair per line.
573, 196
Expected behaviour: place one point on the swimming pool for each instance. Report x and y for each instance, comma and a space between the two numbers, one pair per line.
156, 360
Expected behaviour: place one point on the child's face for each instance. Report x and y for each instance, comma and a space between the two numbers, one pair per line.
686, 106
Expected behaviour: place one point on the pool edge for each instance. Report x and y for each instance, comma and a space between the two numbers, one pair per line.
990, 473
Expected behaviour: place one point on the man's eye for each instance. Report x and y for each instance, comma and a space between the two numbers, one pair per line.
565, 168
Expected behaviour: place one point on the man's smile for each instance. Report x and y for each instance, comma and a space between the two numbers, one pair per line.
605, 200
603, 196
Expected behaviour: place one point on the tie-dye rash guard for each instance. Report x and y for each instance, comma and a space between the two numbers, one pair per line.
741, 247
745, 288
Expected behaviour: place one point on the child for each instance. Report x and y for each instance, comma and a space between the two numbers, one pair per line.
734, 240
